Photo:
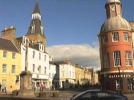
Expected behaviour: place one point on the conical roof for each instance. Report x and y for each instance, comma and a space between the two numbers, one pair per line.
36, 9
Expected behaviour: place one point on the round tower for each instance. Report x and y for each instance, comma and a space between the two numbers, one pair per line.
116, 54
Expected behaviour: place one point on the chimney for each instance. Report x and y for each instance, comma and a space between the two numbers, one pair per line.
9, 33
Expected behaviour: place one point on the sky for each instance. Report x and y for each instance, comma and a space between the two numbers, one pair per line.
70, 26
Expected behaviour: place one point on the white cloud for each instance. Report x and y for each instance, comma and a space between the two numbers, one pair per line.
84, 55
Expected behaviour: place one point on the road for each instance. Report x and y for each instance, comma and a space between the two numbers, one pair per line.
62, 95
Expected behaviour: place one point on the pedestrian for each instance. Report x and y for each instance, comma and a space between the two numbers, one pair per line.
5, 89
0, 87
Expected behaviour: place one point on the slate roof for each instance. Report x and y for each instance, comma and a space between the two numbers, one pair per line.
61, 62
7, 45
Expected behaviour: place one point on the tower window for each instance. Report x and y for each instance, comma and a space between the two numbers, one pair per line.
33, 29
117, 59
115, 36
105, 38
107, 60
41, 29
128, 58
125, 36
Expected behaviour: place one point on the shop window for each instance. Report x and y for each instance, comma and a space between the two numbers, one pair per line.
130, 83
119, 84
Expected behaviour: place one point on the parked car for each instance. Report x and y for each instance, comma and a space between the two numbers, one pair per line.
98, 95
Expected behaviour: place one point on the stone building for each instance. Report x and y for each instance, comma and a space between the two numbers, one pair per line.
116, 52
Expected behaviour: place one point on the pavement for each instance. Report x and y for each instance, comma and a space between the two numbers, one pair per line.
62, 96
49, 96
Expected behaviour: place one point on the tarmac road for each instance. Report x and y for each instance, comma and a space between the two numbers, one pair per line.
62, 96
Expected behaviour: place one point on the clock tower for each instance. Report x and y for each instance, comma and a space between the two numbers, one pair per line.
116, 51
113, 8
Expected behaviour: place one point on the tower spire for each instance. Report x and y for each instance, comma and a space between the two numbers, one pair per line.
36, 26
36, 9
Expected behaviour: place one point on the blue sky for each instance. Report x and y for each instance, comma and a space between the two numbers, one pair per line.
66, 22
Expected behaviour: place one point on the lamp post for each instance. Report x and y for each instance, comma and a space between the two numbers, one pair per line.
120, 80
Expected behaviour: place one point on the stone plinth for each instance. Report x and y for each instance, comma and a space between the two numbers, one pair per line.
26, 83
26, 92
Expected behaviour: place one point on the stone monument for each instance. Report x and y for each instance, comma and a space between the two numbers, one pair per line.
26, 84
26, 77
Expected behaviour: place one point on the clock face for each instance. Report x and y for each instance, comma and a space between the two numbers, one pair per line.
112, 8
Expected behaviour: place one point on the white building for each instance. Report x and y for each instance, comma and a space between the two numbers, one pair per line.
65, 74
52, 73
37, 62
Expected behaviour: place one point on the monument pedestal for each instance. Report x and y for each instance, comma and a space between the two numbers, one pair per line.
26, 92
26, 84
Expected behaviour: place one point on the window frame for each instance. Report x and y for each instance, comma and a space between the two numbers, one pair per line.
119, 84
105, 38
13, 55
117, 58
125, 36
107, 60
13, 70
5, 54
4, 68
4, 82
45, 70
33, 67
39, 56
115, 36
128, 58
33, 54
